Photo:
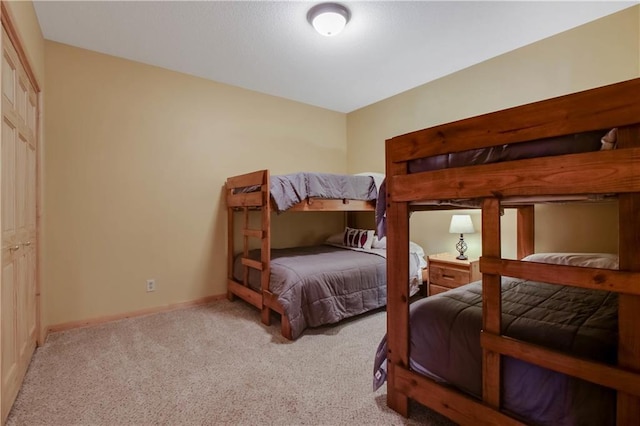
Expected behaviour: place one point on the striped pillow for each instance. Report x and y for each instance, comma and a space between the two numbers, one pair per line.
358, 238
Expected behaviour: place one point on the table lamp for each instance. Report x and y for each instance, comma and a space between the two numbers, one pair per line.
461, 224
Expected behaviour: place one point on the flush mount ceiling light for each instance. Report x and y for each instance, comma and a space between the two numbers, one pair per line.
328, 19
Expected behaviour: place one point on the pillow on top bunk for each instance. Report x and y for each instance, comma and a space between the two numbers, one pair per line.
609, 140
587, 260
358, 238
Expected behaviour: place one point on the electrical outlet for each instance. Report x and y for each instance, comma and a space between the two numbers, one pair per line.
151, 285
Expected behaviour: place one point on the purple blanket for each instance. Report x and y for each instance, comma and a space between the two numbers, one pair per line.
288, 190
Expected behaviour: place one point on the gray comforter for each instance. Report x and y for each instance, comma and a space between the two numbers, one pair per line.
445, 345
288, 190
323, 284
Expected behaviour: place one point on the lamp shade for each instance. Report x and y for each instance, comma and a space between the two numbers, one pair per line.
461, 224
328, 19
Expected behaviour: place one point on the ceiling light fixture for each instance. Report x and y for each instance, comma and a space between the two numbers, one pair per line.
328, 19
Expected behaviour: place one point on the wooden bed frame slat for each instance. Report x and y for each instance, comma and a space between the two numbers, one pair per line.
254, 233
592, 278
525, 244
331, 205
252, 264
445, 400
491, 302
247, 179
247, 294
601, 172
595, 372
249, 199
600, 108
629, 306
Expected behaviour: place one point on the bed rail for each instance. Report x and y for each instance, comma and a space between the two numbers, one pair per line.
600, 108
601, 172
235, 185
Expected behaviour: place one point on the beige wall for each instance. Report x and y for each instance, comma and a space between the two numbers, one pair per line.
136, 160
598, 53
137, 156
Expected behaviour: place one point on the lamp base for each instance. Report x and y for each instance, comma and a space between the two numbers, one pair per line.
461, 247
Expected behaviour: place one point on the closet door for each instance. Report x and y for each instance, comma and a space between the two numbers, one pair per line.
18, 305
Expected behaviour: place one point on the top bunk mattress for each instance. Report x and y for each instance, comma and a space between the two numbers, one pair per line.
291, 189
569, 144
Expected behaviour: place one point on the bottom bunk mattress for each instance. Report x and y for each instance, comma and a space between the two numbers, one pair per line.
445, 346
322, 284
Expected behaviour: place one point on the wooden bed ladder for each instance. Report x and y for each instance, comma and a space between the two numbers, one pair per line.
246, 203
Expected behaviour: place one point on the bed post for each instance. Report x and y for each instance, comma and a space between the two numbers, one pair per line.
628, 408
265, 247
230, 246
397, 289
491, 301
525, 231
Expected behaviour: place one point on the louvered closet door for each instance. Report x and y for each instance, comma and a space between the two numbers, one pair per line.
18, 208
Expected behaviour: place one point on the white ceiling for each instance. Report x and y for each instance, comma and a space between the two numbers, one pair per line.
268, 46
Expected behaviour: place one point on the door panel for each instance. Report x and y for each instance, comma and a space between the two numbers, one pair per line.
18, 204
9, 346
8, 181
8, 77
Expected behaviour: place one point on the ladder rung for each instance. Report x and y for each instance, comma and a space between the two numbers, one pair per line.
256, 233
252, 263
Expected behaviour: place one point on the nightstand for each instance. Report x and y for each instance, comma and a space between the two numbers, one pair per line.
447, 272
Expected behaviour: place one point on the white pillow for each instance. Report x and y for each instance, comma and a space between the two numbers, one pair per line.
379, 243
416, 248
587, 260
335, 238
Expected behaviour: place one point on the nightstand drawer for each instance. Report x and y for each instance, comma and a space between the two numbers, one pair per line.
448, 277
435, 289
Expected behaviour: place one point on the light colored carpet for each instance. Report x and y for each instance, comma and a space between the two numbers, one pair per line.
209, 365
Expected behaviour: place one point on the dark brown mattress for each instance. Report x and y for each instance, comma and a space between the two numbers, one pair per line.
570, 144
445, 345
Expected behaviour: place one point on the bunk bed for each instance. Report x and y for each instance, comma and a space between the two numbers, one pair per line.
307, 286
519, 182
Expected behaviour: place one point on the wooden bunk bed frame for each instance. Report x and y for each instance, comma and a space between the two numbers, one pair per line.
246, 202
605, 172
